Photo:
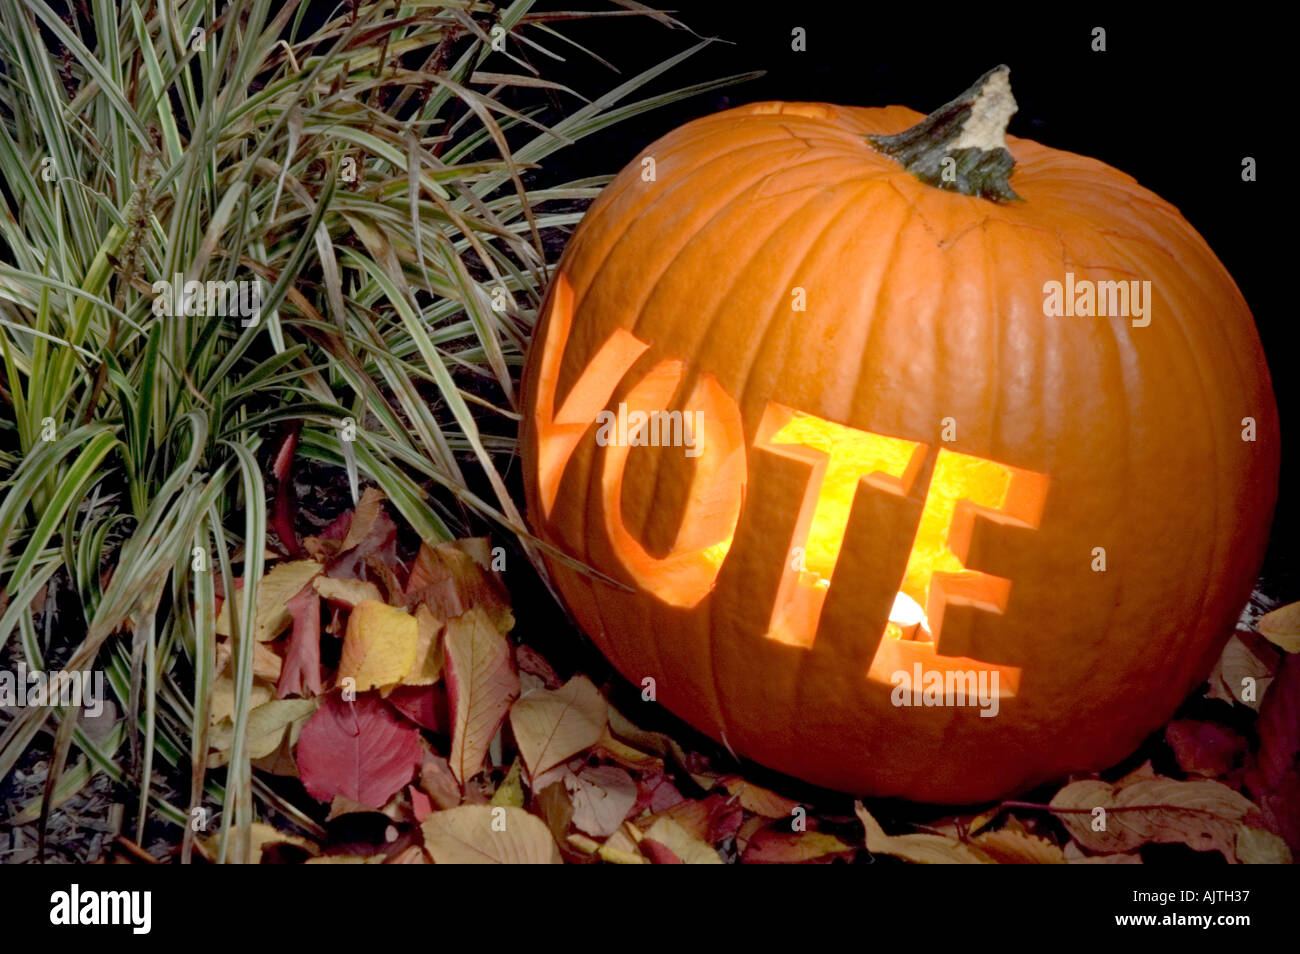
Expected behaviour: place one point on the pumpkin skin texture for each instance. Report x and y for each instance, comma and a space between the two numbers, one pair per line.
922, 305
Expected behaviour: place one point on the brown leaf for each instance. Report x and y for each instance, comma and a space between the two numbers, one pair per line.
551, 726
531, 661
453, 577
1202, 814
757, 799
486, 834
371, 532
1204, 748
773, 846
924, 849
556, 809
602, 797
1244, 670
438, 782
481, 685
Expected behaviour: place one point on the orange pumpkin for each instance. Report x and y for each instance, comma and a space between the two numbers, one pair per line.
911, 460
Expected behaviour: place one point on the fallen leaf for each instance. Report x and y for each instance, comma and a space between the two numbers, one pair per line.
371, 532
684, 846
379, 645
748, 829
266, 726
423, 705
511, 789
556, 809
1012, 845
1278, 726
452, 578
438, 783
774, 846
275, 590
485, 834
1204, 748
550, 726
346, 592
602, 797
625, 755
481, 685
920, 848
1201, 814
421, 804
262, 837
757, 799
410, 855
301, 672
656, 793
710, 819
531, 661
223, 698
1256, 847
428, 664
360, 750
1244, 670
1282, 627
658, 853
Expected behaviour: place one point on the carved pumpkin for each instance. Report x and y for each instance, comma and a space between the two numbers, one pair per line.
977, 460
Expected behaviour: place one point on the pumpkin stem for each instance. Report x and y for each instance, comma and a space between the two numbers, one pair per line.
961, 146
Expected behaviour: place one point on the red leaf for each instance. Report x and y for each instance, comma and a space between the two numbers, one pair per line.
1279, 724
360, 750
424, 705
657, 853
655, 793
1204, 748
282, 471
421, 804
301, 671
371, 532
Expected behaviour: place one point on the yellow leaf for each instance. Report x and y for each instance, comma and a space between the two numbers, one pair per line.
489, 834
379, 645
511, 790
347, 592
1256, 847
688, 848
263, 836
1012, 845
223, 698
427, 667
923, 849
266, 725
1282, 627
277, 587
